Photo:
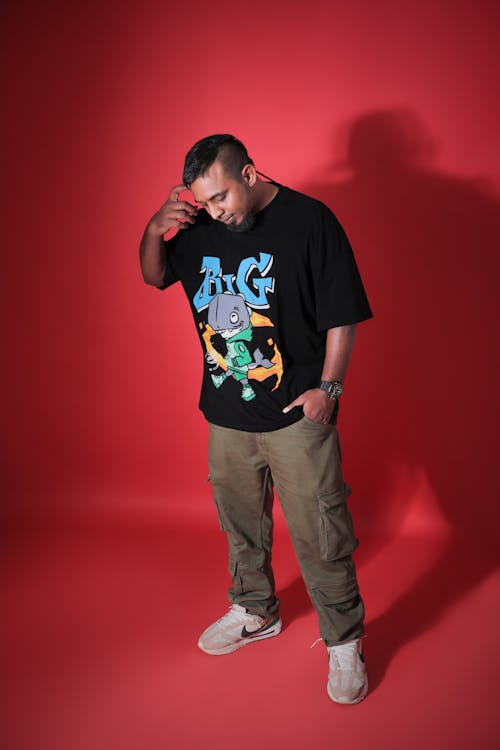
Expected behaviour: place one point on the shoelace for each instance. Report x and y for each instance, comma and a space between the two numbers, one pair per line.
344, 654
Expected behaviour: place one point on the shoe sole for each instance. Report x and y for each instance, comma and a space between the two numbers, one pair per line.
349, 703
275, 630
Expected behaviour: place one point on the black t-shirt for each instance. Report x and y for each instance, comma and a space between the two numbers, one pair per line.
262, 302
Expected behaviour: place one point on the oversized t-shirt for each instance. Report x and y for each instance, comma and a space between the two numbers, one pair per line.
262, 302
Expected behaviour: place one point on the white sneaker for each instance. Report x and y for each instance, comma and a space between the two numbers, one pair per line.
347, 679
236, 629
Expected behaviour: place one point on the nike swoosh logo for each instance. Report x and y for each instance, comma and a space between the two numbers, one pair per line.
253, 633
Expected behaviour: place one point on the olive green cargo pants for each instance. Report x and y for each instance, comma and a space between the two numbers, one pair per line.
303, 462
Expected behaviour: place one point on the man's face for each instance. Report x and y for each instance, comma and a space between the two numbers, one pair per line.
226, 199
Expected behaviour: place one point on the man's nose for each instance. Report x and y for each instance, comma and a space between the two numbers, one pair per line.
216, 212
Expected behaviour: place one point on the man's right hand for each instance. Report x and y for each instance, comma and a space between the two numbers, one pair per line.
174, 214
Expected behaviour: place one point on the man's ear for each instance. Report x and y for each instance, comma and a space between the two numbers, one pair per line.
249, 175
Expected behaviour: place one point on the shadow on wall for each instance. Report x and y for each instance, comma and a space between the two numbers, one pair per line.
428, 248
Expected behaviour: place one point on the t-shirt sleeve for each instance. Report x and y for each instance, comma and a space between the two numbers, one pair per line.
170, 276
178, 249
340, 297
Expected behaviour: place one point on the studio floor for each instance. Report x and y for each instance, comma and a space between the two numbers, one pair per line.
101, 614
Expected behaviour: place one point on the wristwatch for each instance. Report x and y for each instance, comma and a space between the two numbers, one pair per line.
332, 388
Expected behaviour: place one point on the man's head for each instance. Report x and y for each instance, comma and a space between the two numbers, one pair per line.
221, 175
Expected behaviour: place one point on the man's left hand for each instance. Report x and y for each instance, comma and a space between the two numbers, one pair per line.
316, 405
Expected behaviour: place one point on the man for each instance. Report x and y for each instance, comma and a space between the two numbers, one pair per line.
276, 296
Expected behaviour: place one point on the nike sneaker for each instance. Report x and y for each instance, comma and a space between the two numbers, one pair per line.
347, 679
236, 629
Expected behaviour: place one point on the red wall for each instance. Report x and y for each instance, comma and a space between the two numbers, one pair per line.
386, 111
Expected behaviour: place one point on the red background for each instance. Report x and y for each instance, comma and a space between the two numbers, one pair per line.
388, 113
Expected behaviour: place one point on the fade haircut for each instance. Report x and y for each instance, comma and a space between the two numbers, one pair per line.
229, 150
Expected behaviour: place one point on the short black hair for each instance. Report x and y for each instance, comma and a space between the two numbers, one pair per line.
228, 149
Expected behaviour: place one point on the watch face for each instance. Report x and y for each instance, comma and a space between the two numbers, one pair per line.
336, 390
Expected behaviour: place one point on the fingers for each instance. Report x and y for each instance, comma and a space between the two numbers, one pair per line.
179, 214
314, 405
176, 191
174, 214
181, 209
298, 402
183, 206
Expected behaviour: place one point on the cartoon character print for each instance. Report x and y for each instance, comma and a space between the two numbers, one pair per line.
231, 319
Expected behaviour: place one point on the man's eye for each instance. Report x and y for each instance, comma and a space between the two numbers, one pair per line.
234, 317
221, 198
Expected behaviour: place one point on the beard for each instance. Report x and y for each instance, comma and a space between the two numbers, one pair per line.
244, 226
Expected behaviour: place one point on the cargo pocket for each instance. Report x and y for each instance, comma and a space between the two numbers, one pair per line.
337, 537
236, 578
215, 492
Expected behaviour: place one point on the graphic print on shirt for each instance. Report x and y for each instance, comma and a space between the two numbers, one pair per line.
236, 342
